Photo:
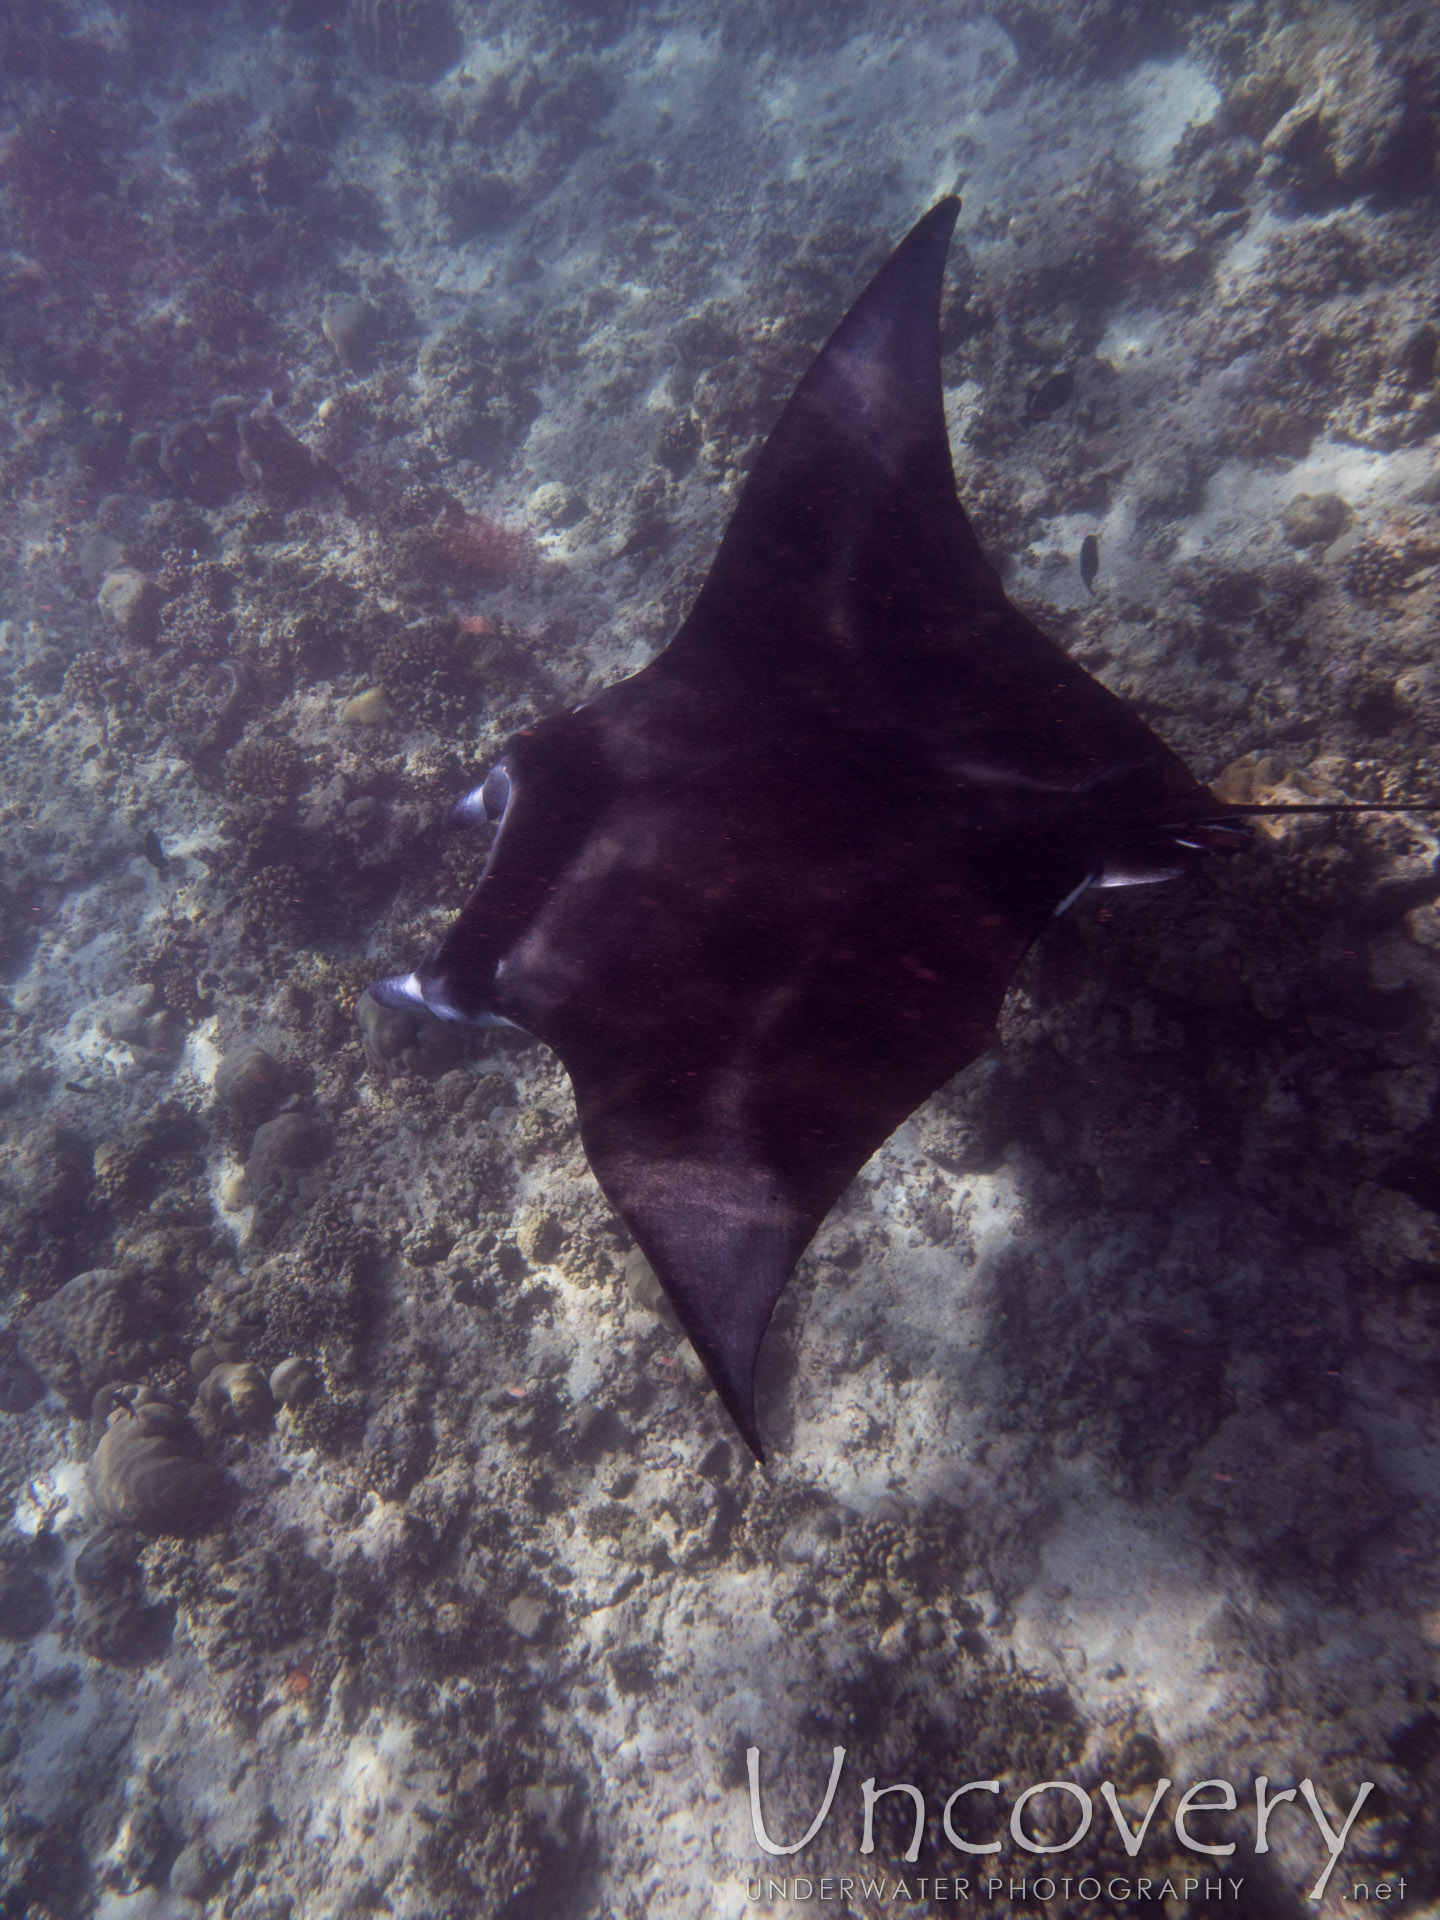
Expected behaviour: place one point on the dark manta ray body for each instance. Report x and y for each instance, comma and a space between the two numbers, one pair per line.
767, 895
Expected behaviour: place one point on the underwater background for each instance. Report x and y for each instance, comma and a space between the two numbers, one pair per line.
377, 376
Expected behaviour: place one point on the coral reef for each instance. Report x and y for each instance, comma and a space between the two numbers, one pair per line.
146, 1472
377, 377
250, 1082
96, 1329
406, 39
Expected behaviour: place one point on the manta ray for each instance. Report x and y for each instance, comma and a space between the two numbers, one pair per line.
767, 895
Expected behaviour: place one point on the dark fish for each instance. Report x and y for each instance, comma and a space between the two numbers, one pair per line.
1047, 396
1089, 560
153, 851
767, 895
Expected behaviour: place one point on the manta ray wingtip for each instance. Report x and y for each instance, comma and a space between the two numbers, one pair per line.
742, 1415
938, 222
731, 1367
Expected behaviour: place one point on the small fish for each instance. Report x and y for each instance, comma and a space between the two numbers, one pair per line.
1046, 396
154, 852
1089, 560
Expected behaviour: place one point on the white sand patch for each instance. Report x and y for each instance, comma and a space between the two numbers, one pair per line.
1124, 1613
1244, 503
1165, 99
